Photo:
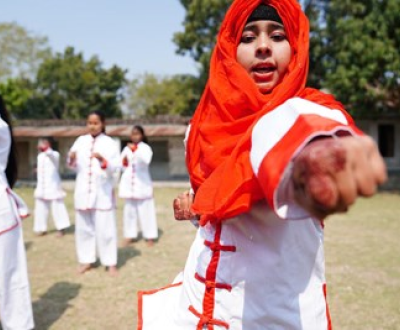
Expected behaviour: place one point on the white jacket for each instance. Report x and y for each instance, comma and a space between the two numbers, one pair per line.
48, 179
12, 208
94, 186
136, 180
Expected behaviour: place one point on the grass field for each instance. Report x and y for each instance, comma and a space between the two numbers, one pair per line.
363, 269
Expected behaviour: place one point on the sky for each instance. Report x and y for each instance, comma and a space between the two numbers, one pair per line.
135, 35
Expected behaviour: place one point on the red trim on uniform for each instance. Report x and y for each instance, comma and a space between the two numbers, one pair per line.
17, 223
275, 161
210, 285
328, 314
104, 164
204, 320
90, 171
9, 229
207, 316
140, 301
216, 246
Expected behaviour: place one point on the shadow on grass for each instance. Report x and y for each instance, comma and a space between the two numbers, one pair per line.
28, 245
67, 231
54, 303
127, 253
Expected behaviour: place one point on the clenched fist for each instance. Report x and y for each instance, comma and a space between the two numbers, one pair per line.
182, 205
329, 174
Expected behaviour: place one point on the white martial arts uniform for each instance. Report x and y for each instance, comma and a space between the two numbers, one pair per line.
263, 269
94, 199
136, 188
15, 299
48, 193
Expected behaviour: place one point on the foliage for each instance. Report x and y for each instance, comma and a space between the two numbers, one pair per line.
314, 10
67, 87
362, 59
151, 95
201, 25
353, 48
21, 51
17, 93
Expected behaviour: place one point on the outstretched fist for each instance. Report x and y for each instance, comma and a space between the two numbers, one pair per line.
329, 174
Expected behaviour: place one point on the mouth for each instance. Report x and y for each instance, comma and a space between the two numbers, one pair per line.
263, 68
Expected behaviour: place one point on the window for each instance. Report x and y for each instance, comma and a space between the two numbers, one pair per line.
386, 140
160, 151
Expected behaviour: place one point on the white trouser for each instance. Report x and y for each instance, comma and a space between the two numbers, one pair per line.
96, 228
143, 209
58, 210
15, 298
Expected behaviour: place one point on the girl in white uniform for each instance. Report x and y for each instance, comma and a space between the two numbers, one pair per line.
49, 193
95, 157
15, 299
268, 160
136, 188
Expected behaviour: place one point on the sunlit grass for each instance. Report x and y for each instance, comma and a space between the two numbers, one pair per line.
363, 269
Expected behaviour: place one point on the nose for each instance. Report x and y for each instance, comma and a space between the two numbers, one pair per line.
263, 46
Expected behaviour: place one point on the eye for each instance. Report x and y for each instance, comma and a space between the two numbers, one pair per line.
278, 36
247, 38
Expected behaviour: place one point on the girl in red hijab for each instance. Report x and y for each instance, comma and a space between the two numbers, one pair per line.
268, 160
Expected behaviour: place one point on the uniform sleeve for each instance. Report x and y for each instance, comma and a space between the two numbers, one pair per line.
123, 157
111, 162
54, 156
74, 148
144, 154
279, 136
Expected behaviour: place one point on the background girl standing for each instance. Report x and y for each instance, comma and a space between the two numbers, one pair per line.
136, 188
95, 158
49, 193
15, 298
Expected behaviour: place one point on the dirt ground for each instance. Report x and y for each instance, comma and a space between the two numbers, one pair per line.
362, 252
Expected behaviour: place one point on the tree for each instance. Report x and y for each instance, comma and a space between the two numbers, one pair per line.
16, 94
353, 48
69, 87
201, 25
315, 11
21, 51
151, 95
362, 60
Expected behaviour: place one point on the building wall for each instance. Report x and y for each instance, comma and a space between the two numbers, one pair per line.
169, 154
177, 164
371, 127
168, 159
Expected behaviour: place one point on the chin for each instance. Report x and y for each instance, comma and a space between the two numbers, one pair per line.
264, 90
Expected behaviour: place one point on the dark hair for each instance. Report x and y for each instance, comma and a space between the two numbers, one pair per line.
49, 139
101, 116
141, 130
12, 168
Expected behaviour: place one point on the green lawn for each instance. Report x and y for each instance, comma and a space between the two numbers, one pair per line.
363, 269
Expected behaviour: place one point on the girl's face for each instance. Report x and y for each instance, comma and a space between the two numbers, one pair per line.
94, 125
265, 53
136, 136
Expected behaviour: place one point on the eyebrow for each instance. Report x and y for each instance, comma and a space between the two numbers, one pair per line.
272, 26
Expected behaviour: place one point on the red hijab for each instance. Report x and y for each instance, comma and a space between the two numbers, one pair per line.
218, 149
